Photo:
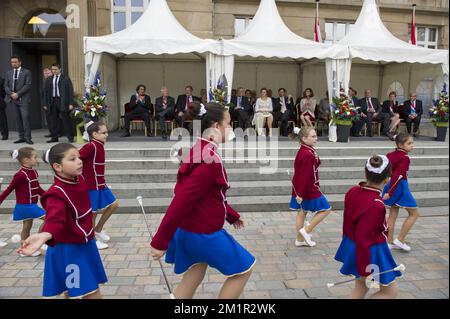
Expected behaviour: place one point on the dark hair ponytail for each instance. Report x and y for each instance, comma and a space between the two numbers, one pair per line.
57, 153
376, 162
215, 113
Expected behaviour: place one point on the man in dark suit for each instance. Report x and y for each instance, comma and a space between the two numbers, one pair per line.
3, 119
357, 125
18, 95
370, 111
165, 106
141, 107
59, 103
413, 110
283, 109
242, 109
183, 105
46, 73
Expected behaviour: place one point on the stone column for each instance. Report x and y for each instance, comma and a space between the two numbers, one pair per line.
75, 45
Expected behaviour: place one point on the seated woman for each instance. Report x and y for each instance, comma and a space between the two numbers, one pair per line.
390, 107
263, 113
140, 107
308, 108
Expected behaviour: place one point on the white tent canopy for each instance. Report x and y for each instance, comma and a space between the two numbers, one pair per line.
369, 39
157, 31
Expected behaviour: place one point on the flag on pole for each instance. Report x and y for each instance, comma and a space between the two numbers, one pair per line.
413, 26
317, 36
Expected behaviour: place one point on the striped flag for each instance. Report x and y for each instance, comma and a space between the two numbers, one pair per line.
413, 26
317, 36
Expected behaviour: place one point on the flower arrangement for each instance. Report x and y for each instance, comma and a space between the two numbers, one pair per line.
439, 113
92, 104
344, 110
219, 94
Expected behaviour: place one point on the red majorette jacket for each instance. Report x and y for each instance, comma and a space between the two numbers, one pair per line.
400, 166
306, 174
26, 185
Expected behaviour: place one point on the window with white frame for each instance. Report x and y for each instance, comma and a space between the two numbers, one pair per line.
424, 92
126, 12
241, 24
426, 37
397, 87
335, 31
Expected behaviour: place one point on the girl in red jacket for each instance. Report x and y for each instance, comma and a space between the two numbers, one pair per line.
102, 199
191, 231
25, 183
72, 263
364, 248
306, 194
397, 193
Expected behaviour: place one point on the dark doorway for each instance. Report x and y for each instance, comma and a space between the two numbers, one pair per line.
36, 55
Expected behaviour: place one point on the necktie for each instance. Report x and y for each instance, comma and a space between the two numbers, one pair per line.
392, 107
283, 105
239, 101
413, 106
188, 102
164, 102
369, 101
16, 75
55, 86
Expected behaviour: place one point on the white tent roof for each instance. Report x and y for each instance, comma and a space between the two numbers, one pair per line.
369, 39
157, 31
268, 36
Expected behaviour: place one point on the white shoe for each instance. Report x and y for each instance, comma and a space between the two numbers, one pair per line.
3, 244
103, 236
391, 246
35, 254
44, 247
303, 244
307, 237
101, 245
401, 245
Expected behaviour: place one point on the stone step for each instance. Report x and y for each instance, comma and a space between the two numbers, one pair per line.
235, 174
252, 151
265, 162
255, 203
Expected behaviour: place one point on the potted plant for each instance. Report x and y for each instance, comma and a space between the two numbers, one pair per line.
90, 107
344, 114
439, 115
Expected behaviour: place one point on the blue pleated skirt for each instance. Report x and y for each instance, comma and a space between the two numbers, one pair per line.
75, 268
380, 257
219, 250
317, 205
402, 196
101, 199
27, 211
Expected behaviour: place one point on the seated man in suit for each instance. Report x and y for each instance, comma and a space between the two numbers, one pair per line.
413, 110
284, 110
390, 108
165, 106
371, 111
140, 106
242, 109
183, 106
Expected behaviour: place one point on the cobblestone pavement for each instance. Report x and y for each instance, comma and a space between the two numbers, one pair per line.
282, 270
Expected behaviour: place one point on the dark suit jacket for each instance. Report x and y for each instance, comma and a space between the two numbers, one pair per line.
386, 107
159, 104
136, 104
23, 88
65, 92
407, 108
289, 105
2, 93
365, 107
181, 102
245, 104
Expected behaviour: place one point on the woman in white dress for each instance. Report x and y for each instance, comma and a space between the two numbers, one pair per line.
263, 113
308, 108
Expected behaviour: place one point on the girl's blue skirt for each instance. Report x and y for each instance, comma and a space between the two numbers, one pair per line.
219, 250
100, 199
311, 205
75, 268
380, 257
27, 211
402, 196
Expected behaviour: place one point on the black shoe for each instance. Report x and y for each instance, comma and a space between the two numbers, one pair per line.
19, 141
127, 134
29, 142
4, 138
60, 135
70, 140
53, 140
164, 136
415, 135
48, 135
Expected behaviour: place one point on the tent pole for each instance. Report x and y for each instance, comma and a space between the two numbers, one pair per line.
380, 81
